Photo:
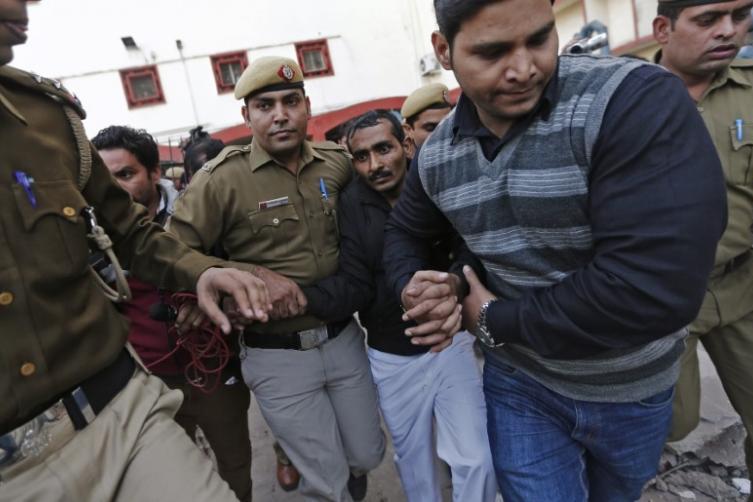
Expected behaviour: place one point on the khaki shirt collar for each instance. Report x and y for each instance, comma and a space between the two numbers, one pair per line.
721, 79
260, 157
724, 77
5, 103
738, 77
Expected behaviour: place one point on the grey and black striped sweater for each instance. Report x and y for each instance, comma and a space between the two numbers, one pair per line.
524, 215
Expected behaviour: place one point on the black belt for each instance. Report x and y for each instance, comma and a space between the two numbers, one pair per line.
290, 341
98, 390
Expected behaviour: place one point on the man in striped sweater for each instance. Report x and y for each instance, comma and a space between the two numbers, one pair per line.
591, 192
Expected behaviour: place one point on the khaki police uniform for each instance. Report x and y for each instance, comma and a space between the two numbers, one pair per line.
319, 403
58, 331
725, 323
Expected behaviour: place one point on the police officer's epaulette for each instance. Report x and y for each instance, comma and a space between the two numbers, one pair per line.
51, 87
331, 146
226, 153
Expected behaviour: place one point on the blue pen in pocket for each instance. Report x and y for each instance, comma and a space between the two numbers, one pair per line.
323, 189
26, 183
739, 129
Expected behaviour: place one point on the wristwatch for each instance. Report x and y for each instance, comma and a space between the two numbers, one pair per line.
482, 331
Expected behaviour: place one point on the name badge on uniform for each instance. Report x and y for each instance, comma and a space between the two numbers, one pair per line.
269, 204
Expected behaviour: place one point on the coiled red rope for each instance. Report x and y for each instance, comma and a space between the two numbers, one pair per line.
205, 346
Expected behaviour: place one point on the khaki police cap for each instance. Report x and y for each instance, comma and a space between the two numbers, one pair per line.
268, 74
424, 97
174, 173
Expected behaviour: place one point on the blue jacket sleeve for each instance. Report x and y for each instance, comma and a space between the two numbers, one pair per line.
657, 209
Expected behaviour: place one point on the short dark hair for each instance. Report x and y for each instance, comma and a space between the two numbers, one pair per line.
451, 14
669, 11
207, 147
137, 141
371, 119
434, 106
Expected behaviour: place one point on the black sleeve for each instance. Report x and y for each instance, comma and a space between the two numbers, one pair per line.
414, 224
352, 287
657, 209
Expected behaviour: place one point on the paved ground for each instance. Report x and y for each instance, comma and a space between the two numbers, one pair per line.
715, 445
384, 486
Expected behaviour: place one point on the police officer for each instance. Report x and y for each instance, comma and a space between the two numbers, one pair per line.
699, 41
271, 205
80, 419
176, 176
423, 110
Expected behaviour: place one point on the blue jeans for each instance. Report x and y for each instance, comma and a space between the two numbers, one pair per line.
547, 447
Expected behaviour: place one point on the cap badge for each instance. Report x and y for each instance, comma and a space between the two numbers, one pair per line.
286, 72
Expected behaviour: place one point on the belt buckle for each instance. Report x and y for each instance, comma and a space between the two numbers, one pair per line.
30, 439
312, 338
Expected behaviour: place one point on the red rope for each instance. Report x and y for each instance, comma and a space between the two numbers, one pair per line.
203, 344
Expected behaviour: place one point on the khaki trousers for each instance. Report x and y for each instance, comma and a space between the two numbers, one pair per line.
223, 418
132, 451
727, 336
321, 405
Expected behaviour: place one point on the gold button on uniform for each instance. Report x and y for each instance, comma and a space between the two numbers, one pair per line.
69, 211
6, 298
28, 369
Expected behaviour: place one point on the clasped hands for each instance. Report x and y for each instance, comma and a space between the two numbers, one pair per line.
431, 300
277, 298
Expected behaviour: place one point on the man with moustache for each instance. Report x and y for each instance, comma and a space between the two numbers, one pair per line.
699, 40
591, 192
80, 418
415, 385
272, 207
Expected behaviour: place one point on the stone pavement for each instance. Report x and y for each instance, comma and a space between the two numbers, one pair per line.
706, 465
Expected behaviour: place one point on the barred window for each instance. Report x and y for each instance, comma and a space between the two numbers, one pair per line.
314, 58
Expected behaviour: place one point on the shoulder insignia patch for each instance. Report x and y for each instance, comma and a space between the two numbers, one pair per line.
50, 87
332, 147
226, 153
328, 145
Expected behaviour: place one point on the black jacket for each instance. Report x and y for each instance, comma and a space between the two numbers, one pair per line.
360, 284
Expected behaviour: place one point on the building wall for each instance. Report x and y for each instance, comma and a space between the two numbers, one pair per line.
375, 52
629, 22
569, 19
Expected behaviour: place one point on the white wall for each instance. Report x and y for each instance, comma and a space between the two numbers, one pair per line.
374, 48
568, 19
622, 19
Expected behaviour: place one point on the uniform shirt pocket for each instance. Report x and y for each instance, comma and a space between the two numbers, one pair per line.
741, 155
274, 227
55, 224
